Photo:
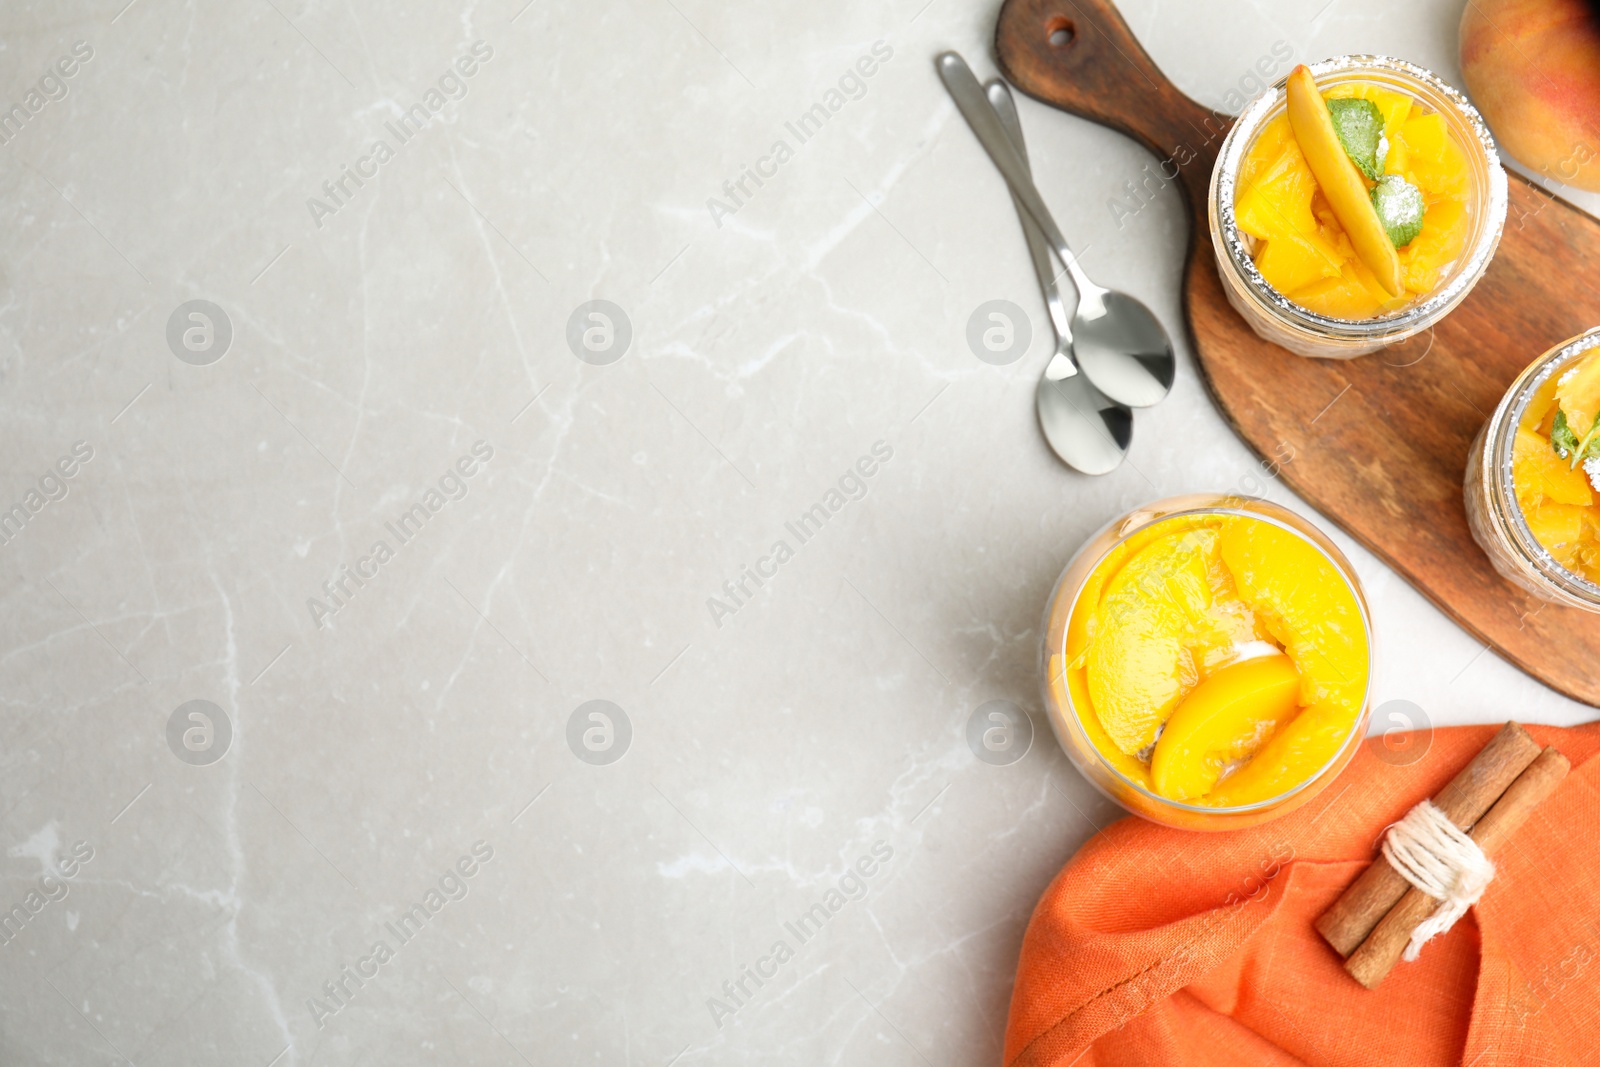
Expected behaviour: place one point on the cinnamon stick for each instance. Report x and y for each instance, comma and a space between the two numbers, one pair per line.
1463, 801
1382, 949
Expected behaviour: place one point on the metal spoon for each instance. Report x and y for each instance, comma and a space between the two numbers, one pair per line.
1119, 343
1087, 429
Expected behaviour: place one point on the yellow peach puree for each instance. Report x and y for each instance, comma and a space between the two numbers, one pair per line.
1301, 248
1217, 660
1555, 465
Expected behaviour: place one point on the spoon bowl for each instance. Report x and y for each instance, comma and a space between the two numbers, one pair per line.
1123, 348
1087, 429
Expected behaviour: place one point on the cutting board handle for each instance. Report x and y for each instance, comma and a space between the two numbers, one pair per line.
1079, 55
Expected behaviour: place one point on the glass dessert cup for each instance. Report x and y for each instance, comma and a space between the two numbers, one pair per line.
1493, 513
1302, 331
1068, 713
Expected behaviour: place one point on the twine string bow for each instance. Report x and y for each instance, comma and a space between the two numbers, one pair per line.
1437, 856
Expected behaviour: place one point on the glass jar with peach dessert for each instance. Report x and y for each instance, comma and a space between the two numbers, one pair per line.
1356, 223
1207, 661
1533, 477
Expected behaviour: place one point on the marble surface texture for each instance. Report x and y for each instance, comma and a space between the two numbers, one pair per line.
388, 745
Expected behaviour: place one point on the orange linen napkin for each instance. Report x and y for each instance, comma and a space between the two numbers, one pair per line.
1135, 955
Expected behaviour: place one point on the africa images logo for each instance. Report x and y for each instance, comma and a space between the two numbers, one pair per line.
852, 486
452, 886
53, 486
852, 885
51, 87
852, 85
52, 888
339, 191
353, 577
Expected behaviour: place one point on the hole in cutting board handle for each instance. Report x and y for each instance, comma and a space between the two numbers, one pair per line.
1060, 32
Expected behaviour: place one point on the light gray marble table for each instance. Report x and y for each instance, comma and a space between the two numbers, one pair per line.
383, 356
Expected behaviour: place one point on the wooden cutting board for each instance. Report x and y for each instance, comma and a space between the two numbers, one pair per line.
1378, 444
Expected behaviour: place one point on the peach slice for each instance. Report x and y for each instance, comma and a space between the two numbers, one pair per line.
1539, 474
1341, 182
1224, 719
1560, 528
1297, 751
1307, 606
1137, 665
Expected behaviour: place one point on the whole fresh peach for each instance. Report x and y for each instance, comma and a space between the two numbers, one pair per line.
1533, 69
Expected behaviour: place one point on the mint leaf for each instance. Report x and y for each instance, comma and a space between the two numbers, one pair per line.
1562, 439
1359, 125
1400, 208
1589, 444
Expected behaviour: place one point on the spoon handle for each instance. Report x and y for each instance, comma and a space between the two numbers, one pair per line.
964, 89
1000, 99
